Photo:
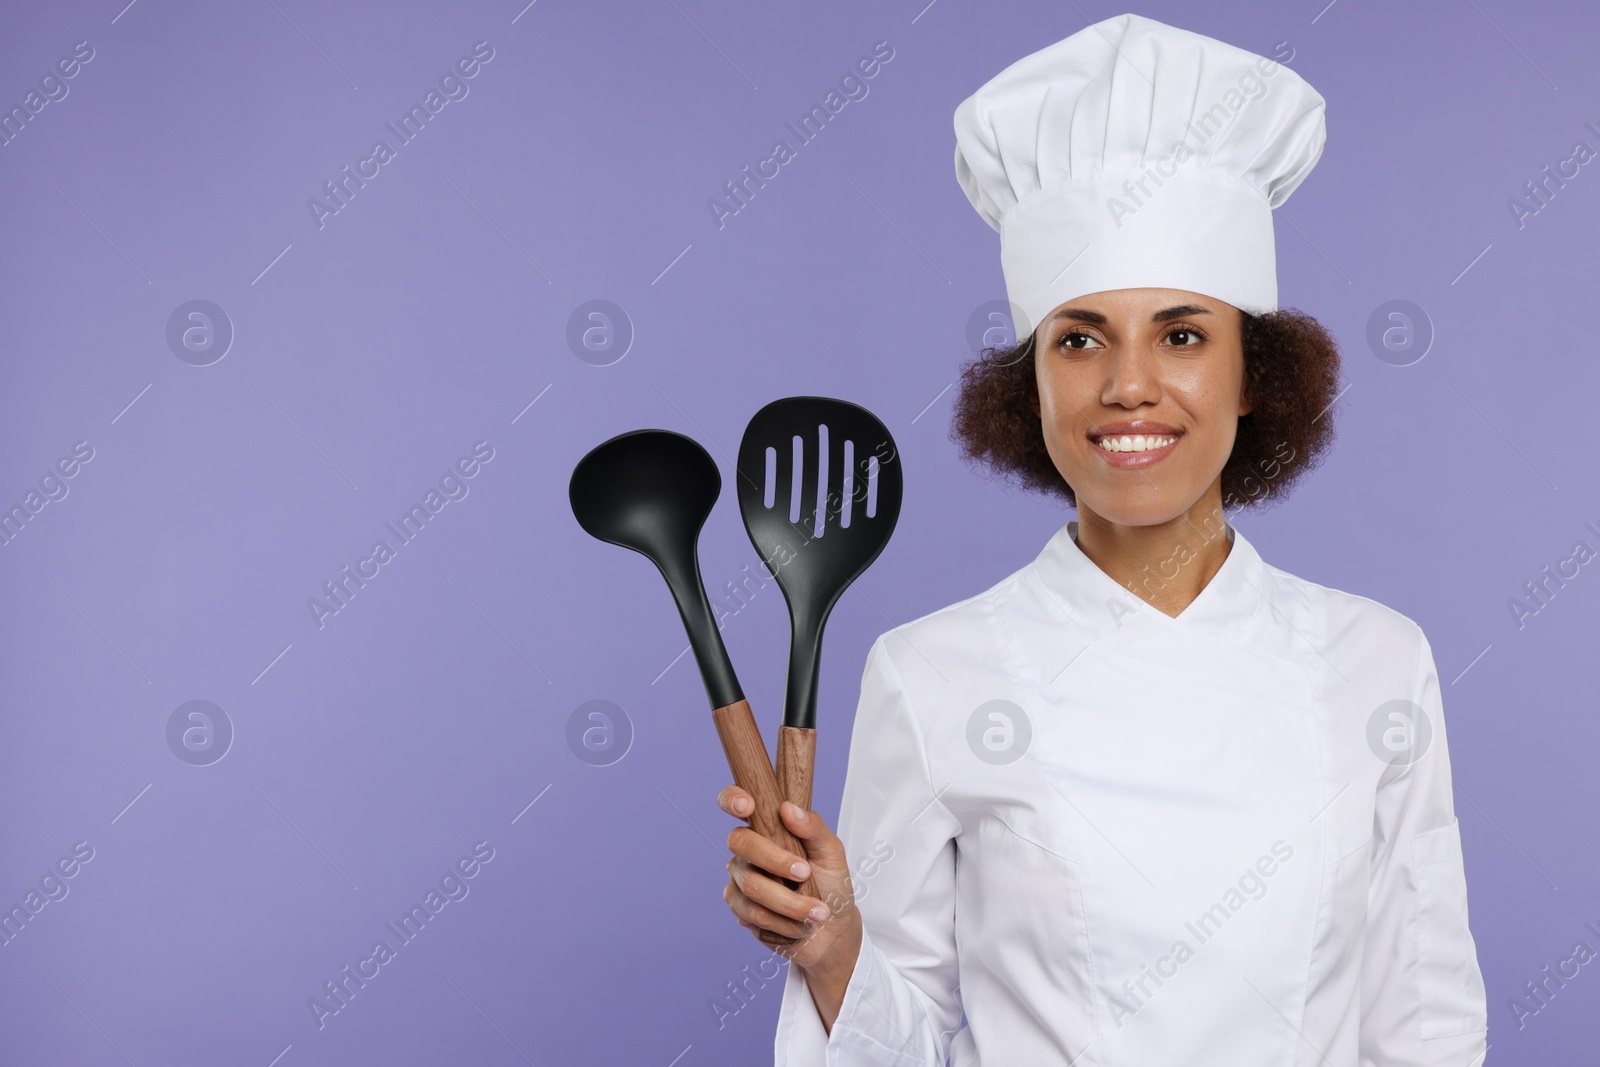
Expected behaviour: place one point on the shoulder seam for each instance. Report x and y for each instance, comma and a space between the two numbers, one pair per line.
1292, 579
989, 594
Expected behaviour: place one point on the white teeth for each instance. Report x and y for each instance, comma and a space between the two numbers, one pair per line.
1134, 443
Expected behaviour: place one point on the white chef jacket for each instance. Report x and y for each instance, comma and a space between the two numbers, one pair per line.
1194, 841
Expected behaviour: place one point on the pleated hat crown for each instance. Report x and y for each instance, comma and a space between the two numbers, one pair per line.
1134, 154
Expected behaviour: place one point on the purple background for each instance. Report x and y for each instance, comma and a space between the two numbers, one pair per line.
430, 311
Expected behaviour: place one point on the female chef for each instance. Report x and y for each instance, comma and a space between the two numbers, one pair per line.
1148, 801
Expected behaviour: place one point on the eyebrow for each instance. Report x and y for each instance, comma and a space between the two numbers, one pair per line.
1181, 311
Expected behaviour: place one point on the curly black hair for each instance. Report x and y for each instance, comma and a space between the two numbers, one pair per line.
1291, 379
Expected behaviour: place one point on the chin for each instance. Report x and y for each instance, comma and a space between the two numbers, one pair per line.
1151, 507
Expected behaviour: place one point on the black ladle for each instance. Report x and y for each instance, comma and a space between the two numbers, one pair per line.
651, 491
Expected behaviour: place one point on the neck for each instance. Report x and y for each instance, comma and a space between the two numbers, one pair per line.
1165, 564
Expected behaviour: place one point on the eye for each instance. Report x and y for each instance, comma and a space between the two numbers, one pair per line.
1077, 340
1185, 337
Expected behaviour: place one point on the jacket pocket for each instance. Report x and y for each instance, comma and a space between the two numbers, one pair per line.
1452, 991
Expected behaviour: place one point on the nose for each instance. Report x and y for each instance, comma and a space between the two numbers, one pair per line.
1131, 378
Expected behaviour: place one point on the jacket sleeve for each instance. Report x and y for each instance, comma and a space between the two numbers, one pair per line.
1422, 994
900, 1007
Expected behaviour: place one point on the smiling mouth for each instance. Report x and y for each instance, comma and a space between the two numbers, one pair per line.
1134, 451
1133, 442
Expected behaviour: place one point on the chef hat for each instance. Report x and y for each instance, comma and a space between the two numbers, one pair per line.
1135, 154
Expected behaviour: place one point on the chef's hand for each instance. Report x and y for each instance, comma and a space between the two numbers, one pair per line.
825, 948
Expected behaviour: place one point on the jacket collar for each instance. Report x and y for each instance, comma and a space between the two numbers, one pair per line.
1101, 605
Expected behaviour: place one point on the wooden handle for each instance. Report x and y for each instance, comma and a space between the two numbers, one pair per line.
797, 750
752, 770
797, 755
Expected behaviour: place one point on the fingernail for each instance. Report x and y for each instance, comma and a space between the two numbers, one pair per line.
741, 805
819, 913
800, 870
